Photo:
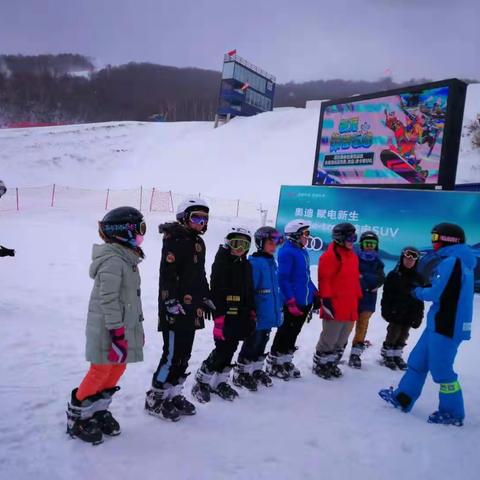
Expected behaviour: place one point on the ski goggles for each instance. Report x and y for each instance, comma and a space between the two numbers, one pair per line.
112, 228
276, 238
412, 254
352, 238
436, 237
238, 243
199, 218
370, 244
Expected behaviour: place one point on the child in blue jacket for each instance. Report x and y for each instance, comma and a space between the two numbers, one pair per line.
372, 277
299, 299
268, 304
449, 322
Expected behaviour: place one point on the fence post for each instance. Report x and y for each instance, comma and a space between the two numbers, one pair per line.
171, 202
238, 207
141, 197
151, 198
106, 200
18, 205
53, 195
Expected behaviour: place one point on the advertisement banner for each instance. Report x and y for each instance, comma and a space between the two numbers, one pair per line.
398, 217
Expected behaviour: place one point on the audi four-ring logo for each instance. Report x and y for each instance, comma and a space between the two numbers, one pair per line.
315, 244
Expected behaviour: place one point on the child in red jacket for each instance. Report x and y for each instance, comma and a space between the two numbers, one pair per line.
339, 289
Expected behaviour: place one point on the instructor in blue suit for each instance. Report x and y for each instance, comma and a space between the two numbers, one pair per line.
448, 324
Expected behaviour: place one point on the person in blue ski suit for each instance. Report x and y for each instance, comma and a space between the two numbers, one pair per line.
299, 297
268, 303
448, 324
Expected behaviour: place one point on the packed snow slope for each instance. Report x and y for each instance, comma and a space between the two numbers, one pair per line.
305, 429
264, 152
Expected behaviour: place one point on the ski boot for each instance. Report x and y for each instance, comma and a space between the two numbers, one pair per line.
388, 358
275, 368
259, 374
107, 423
355, 361
201, 389
445, 418
242, 376
159, 404
183, 406
399, 362
221, 387
80, 421
387, 395
320, 366
334, 370
289, 367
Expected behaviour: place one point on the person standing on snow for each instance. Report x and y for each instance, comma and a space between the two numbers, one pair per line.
5, 252
183, 304
400, 309
231, 287
372, 277
299, 294
339, 289
114, 324
268, 304
449, 322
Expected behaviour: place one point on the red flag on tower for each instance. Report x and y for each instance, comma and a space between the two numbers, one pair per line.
232, 53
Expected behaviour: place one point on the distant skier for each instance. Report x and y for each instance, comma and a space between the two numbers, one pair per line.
340, 291
299, 295
372, 277
231, 287
268, 304
448, 324
400, 309
183, 304
114, 324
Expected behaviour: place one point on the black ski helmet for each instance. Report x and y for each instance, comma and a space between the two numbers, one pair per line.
3, 189
448, 234
342, 231
266, 233
368, 235
122, 225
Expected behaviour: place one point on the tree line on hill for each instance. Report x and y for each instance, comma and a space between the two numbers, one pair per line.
66, 88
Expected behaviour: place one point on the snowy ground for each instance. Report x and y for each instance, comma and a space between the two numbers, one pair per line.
305, 429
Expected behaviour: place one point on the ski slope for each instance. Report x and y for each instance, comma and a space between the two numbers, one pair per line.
305, 429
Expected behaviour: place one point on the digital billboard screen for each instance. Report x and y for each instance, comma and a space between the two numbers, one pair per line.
391, 139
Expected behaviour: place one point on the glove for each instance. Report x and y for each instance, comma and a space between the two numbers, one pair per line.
218, 328
209, 308
293, 309
174, 309
327, 309
119, 348
6, 252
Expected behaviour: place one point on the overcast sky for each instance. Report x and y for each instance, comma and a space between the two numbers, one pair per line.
293, 39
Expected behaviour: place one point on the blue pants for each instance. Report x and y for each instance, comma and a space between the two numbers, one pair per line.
433, 353
254, 346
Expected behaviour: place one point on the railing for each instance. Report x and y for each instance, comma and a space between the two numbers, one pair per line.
251, 66
152, 200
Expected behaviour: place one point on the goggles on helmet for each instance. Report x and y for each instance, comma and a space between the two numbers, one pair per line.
412, 254
238, 243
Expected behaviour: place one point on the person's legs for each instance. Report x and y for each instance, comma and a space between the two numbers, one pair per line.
94, 380
116, 373
361, 328
287, 333
442, 353
411, 384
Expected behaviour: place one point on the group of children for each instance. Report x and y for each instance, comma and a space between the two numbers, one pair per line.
246, 298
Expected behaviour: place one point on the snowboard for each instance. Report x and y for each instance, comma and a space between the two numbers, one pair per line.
397, 164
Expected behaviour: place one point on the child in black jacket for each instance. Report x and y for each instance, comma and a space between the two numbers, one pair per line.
399, 308
231, 285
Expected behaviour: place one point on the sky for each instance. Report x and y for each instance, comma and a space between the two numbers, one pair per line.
294, 40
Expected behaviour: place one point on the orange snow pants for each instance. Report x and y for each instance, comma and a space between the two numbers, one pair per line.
98, 378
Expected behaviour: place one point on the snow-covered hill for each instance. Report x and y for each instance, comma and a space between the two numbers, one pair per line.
305, 429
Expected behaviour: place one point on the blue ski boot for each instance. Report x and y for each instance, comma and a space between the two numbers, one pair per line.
445, 418
387, 395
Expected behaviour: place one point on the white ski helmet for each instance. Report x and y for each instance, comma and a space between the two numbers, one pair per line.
295, 227
236, 231
188, 205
